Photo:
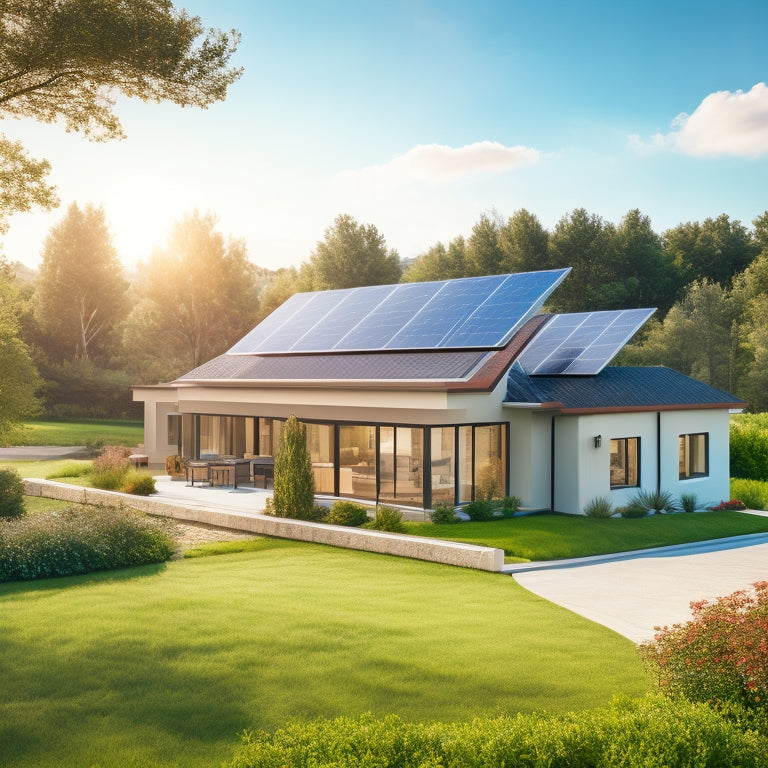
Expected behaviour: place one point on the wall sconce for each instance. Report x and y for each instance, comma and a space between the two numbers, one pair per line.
598, 440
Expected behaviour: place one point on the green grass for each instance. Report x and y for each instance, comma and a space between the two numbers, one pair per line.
166, 665
129, 433
47, 468
553, 537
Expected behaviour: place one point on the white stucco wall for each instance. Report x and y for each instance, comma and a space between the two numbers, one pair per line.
582, 472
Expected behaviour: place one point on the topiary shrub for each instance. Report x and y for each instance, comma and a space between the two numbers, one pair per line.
347, 513
11, 493
387, 519
294, 484
599, 507
138, 483
479, 511
443, 513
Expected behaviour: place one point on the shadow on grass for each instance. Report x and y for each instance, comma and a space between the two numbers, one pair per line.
128, 573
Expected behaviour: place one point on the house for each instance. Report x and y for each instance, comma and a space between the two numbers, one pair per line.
420, 393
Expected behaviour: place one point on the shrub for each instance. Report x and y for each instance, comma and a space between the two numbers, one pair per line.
387, 519
632, 511
11, 493
689, 502
655, 501
650, 732
730, 505
80, 540
138, 483
294, 485
479, 510
110, 468
347, 513
720, 655
754, 493
749, 448
443, 513
510, 505
599, 507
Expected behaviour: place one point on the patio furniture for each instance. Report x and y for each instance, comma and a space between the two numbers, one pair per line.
263, 471
225, 472
197, 470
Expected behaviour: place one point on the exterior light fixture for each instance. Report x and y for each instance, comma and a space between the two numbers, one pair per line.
598, 440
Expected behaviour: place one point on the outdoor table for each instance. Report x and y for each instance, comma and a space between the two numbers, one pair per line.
229, 471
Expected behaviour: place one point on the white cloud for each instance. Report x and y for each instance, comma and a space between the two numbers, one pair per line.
438, 163
724, 123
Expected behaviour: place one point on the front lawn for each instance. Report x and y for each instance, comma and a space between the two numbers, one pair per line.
165, 665
128, 433
554, 537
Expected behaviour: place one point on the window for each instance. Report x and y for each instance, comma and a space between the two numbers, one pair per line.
625, 462
694, 455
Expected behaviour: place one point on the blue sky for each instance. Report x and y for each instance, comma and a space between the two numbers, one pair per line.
419, 116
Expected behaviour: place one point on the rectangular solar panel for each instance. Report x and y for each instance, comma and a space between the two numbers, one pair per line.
468, 313
582, 343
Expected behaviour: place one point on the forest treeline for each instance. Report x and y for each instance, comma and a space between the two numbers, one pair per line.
83, 330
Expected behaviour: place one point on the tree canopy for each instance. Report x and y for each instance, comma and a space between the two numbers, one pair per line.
196, 298
80, 295
352, 255
66, 60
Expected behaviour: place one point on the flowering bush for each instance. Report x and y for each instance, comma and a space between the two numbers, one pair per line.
720, 655
79, 540
731, 504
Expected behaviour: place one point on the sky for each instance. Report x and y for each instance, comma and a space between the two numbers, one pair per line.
418, 116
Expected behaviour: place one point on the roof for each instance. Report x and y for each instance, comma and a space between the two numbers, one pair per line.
453, 370
617, 389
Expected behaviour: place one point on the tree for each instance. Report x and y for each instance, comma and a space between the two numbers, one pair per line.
64, 60
352, 255
700, 337
484, 254
18, 377
524, 243
197, 298
438, 263
80, 294
716, 250
294, 488
584, 242
644, 272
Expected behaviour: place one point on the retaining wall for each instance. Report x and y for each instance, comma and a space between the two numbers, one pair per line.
416, 547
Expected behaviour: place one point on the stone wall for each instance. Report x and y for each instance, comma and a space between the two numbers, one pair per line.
416, 547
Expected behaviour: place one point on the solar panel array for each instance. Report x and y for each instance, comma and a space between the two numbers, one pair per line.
469, 313
582, 343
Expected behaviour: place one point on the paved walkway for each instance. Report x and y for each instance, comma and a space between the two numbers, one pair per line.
635, 592
41, 452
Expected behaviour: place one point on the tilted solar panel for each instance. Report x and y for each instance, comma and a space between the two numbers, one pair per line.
469, 313
581, 343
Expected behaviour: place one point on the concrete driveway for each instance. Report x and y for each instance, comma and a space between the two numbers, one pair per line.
635, 592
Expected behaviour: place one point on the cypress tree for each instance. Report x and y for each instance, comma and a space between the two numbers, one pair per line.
294, 487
